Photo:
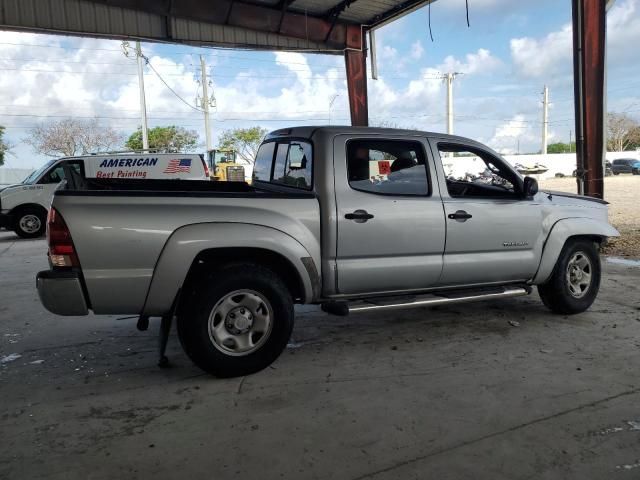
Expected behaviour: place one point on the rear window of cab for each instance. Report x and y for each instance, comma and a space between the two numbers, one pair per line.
285, 162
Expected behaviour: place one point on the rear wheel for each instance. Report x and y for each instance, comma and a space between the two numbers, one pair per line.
575, 281
30, 223
238, 322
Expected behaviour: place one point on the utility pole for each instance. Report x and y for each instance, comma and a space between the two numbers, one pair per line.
143, 103
449, 79
205, 103
545, 118
570, 132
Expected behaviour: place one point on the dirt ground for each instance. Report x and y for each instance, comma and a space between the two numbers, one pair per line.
623, 194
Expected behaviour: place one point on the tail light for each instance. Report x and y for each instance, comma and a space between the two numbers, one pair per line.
62, 253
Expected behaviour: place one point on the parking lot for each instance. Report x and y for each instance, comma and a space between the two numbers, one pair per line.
487, 390
621, 192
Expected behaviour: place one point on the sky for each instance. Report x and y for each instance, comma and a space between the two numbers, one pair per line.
509, 52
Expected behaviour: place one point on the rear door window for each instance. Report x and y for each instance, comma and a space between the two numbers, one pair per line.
387, 167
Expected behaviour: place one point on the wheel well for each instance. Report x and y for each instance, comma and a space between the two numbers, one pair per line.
599, 239
212, 259
25, 206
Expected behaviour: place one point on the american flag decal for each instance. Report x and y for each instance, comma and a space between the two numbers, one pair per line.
178, 165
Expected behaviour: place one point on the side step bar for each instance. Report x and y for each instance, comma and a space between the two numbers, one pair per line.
425, 300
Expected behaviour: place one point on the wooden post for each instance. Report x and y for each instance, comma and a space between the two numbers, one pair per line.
589, 27
356, 65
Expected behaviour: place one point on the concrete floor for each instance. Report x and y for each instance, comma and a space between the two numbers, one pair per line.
480, 391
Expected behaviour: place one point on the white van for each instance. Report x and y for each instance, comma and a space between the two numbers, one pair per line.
23, 207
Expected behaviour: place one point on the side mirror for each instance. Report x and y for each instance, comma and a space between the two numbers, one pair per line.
530, 187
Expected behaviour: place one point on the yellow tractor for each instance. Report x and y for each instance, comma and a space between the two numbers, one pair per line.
224, 167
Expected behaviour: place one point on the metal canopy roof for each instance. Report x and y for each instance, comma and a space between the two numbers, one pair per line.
316, 25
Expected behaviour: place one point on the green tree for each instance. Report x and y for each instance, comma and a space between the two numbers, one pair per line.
245, 141
171, 139
4, 146
560, 147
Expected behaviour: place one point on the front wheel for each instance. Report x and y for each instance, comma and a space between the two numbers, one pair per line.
30, 223
238, 322
575, 281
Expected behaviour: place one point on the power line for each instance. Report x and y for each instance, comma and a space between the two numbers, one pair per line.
169, 87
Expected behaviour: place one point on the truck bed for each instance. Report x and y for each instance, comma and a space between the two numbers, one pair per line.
120, 227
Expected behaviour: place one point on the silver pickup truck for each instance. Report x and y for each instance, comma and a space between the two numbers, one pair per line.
353, 219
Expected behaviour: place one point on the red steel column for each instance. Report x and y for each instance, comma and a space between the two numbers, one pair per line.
356, 65
589, 26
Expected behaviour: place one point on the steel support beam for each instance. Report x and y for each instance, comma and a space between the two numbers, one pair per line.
356, 65
589, 26
255, 17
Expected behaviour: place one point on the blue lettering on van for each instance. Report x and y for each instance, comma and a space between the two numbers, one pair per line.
128, 162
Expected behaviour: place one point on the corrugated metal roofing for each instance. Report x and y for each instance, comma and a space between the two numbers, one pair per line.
146, 19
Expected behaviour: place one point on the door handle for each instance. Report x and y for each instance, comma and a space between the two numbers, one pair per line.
359, 216
460, 216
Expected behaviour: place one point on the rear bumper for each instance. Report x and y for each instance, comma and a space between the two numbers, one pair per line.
61, 292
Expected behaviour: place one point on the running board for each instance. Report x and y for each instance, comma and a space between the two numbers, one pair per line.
425, 300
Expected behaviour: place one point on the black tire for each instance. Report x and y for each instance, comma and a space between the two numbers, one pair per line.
30, 222
556, 292
194, 320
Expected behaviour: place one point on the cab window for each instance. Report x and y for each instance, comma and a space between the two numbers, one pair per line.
293, 165
285, 162
264, 162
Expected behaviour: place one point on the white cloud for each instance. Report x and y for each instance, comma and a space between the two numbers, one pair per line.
416, 50
623, 32
387, 53
551, 55
543, 57
514, 133
481, 62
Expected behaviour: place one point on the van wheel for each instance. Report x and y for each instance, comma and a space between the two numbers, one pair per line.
575, 281
238, 322
30, 223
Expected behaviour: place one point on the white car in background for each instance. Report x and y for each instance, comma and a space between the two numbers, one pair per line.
24, 207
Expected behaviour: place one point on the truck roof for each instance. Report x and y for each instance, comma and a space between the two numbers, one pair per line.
309, 130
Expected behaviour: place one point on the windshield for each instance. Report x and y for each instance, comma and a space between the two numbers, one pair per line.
224, 157
33, 176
